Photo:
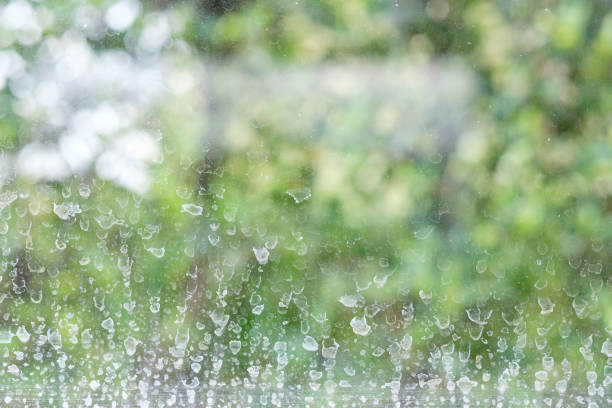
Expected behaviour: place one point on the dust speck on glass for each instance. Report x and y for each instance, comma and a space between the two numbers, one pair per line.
235, 203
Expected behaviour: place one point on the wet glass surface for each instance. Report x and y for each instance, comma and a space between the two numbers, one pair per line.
269, 203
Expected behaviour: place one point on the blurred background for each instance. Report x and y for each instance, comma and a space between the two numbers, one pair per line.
316, 203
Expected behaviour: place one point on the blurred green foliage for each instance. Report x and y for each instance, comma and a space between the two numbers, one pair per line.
514, 215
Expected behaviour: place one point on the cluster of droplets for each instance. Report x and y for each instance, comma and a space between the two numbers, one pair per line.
110, 297
229, 317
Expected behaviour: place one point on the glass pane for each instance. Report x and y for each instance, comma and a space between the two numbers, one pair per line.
311, 203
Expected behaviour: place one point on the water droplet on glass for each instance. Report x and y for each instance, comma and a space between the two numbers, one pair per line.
360, 326
299, 195
13, 369
466, 385
66, 210
329, 350
94, 385
234, 346
86, 338
350, 300
423, 232
84, 190
130, 344
230, 214
22, 334
157, 252
54, 338
108, 324
192, 209
310, 344
262, 255
546, 305
182, 337
213, 239
477, 316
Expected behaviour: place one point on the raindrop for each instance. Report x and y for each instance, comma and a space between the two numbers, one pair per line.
425, 296
108, 324
84, 190
310, 344
477, 316
67, 210
234, 346
546, 305
262, 255
350, 300
54, 338
86, 338
360, 327
130, 344
329, 351
214, 239
561, 386
157, 252
466, 385
230, 214
299, 195
182, 337
192, 209
22, 334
